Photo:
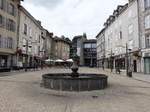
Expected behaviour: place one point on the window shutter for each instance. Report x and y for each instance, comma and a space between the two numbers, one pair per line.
15, 11
0, 41
3, 22
14, 26
7, 24
4, 5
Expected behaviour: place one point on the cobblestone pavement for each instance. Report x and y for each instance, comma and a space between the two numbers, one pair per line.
137, 76
22, 93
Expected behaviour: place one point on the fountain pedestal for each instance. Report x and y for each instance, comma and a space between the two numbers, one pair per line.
65, 82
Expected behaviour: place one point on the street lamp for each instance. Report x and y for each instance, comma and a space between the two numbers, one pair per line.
128, 71
111, 60
103, 61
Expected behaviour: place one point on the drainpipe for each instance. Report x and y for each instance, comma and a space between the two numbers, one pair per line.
139, 29
18, 28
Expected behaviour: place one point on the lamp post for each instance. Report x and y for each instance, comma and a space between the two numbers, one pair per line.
111, 60
127, 60
26, 58
128, 71
103, 62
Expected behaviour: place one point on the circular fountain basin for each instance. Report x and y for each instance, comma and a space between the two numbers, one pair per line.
64, 82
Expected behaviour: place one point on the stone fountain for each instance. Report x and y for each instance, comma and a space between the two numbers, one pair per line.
74, 81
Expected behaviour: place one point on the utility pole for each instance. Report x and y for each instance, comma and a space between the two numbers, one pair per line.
127, 61
111, 61
103, 62
128, 72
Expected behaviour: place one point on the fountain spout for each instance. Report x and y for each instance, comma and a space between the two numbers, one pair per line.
75, 68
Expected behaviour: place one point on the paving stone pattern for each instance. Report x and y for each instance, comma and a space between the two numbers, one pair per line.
21, 92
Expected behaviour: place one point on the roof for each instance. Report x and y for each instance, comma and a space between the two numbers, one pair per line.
30, 16
77, 37
100, 32
120, 9
62, 39
90, 41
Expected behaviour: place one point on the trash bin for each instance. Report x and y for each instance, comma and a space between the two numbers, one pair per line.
130, 74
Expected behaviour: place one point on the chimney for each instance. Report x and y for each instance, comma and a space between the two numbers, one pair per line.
39, 22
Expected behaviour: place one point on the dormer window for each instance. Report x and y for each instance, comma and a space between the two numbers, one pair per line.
105, 24
111, 18
116, 13
120, 8
108, 21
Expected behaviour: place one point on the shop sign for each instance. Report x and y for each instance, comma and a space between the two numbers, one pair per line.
147, 55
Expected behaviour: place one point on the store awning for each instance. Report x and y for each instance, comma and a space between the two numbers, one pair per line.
69, 60
59, 60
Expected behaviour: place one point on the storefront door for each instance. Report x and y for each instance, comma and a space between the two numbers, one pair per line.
135, 65
3, 61
147, 65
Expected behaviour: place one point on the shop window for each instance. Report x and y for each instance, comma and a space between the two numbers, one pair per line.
146, 4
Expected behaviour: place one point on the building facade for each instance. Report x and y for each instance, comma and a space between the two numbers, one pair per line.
30, 42
101, 48
48, 45
144, 22
89, 52
62, 48
8, 32
122, 38
77, 47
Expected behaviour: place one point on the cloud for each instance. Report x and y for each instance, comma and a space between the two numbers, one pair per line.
45, 3
73, 17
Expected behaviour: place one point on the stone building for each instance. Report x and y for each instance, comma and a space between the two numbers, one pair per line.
62, 48
101, 48
122, 37
144, 23
8, 32
48, 45
30, 42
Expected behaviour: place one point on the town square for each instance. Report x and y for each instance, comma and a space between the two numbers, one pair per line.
74, 56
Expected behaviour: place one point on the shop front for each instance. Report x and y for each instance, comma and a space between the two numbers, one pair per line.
120, 63
3, 61
147, 63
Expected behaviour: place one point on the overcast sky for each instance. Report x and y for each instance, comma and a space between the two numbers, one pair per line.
72, 17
